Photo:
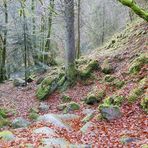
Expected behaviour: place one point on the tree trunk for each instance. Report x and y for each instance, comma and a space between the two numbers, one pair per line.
49, 60
139, 11
79, 35
3, 53
70, 41
35, 57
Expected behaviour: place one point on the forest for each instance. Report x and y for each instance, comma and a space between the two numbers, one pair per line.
73, 73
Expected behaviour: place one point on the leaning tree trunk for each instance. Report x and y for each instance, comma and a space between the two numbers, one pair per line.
139, 11
70, 41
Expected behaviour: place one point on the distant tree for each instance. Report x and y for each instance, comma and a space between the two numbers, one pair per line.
139, 11
78, 53
3, 41
70, 41
49, 60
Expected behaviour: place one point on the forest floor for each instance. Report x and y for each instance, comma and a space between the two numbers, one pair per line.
99, 133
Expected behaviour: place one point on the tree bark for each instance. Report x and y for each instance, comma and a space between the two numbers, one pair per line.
139, 11
70, 41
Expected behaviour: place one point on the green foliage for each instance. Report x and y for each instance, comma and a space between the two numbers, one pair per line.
138, 63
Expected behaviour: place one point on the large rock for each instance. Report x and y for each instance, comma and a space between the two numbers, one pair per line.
110, 112
44, 130
19, 82
72, 106
85, 127
20, 122
53, 119
43, 106
7, 135
56, 142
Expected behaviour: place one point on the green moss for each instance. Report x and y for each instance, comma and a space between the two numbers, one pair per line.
4, 122
138, 63
33, 116
144, 103
66, 107
134, 94
6, 135
143, 82
65, 98
106, 67
114, 100
47, 86
118, 100
91, 99
145, 146
118, 83
109, 78
3, 112
85, 72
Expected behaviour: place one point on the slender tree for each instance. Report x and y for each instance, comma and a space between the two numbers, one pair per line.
78, 30
4, 43
70, 41
49, 60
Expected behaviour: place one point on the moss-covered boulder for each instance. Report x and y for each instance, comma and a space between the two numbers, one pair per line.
95, 96
138, 63
84, 71
7, 135
135, 94
66, 107
116, 100
48, 85
106, 67
110, 112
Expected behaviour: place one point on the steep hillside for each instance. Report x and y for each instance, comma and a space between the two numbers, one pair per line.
108, 109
